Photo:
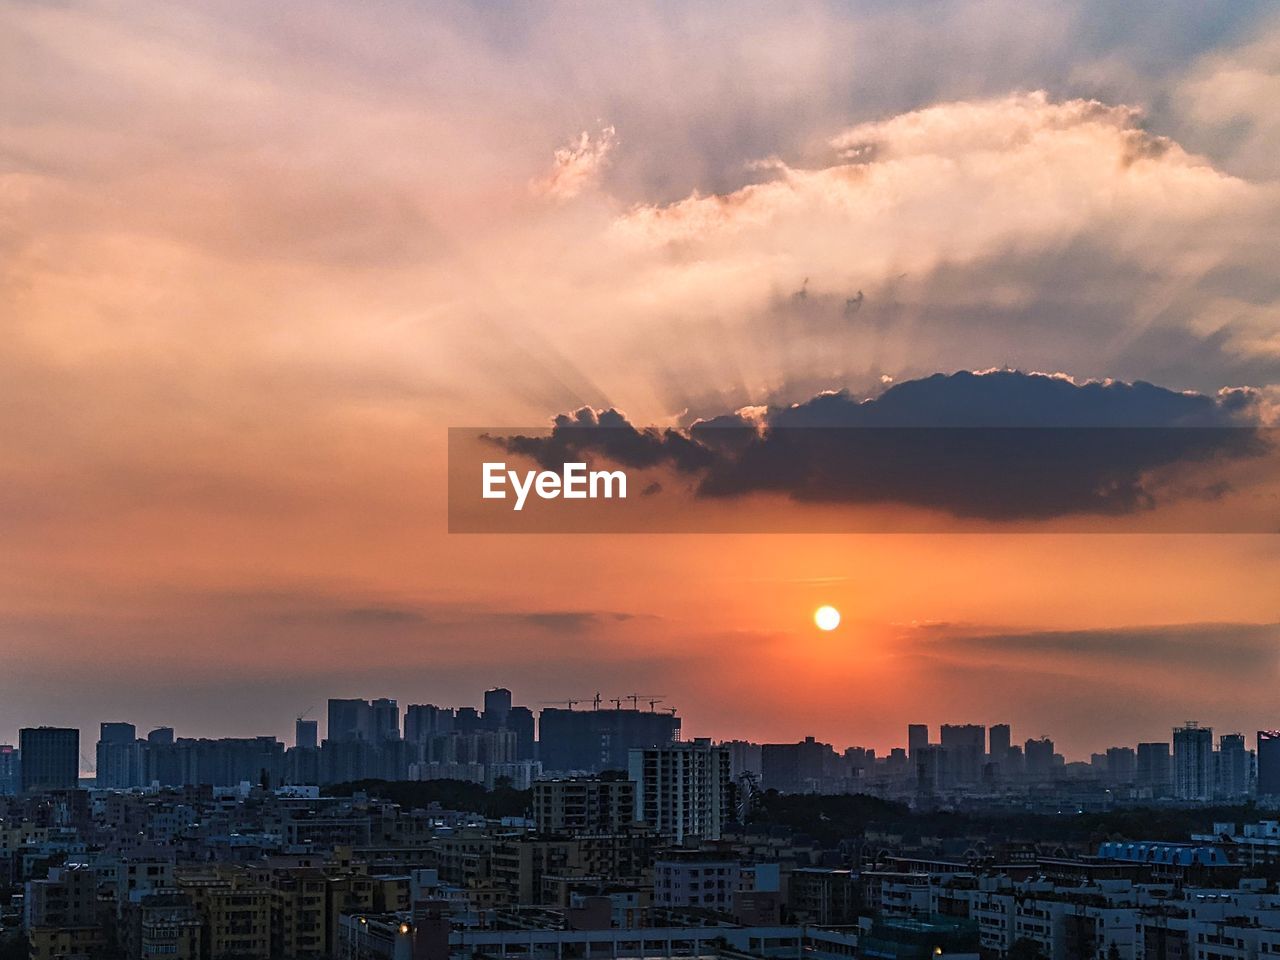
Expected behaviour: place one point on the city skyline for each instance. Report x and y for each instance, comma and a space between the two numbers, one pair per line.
933, 729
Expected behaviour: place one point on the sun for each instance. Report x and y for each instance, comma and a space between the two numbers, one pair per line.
827, 618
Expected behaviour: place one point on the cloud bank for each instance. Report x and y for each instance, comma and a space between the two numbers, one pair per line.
999, 445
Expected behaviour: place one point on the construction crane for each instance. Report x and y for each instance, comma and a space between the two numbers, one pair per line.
304, 714
553, 703
653, 698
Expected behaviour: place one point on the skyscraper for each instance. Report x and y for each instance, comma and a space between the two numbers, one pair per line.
119, 757
1039, 758
1232, 768
306, 734
386, 719
1121, 764
1154, 770
50, 757
497, 705
1000, 739
10, 770
1193, 762
349, 721
965, 746
917, 738
1269, 763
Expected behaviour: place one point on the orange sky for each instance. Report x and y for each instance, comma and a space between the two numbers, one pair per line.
255, 263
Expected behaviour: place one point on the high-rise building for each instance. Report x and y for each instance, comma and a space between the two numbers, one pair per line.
1000, 739
1232, 768
966, 746
1154, 768
682, 789
306, 734
1193, 762
386, 719
497, 705
917, 738
50, 757
119, 757
796, 767
1122, 764
350, 721
1269, 763
10, 770
1038, 758
590, 741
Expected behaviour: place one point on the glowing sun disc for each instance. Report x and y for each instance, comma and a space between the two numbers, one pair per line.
827, 618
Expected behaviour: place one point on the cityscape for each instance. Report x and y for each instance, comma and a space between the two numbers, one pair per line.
594, 829
501, 742
391, 390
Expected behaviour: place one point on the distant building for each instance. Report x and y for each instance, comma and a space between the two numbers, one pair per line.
306, 734
744, 757
590, 741
966, 746
119, 757
386, 719
10, 770
682, 789
1269, 763
917, 738
1193, 762
1038, 758
1233, 768
497, 706
1154, 768
796, 767
350, 721
1122, 765
1000, 739
50, 758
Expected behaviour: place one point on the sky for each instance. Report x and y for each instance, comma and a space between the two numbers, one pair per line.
256, 260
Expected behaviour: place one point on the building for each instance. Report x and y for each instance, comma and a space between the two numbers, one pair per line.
350, 720
744, 758
698, 880
1000, 739
1038, 758
1233, 768
1154, 768
497, 706
119, 757
60, 914
966, 747
1193, 762
589, 741
917, 738
10, 770
306, 734
1122, 765
683, 789
583, 805
50, 758
1269, 763
797, 767
385, 714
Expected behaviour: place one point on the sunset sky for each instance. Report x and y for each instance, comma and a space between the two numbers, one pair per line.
256, 259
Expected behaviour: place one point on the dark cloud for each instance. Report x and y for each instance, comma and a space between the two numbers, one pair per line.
1194, 648
1001, 445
